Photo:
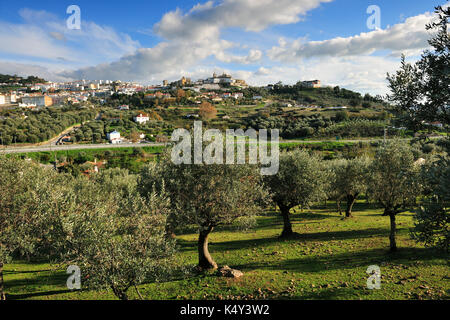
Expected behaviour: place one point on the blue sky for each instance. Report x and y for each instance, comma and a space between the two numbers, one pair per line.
261, 41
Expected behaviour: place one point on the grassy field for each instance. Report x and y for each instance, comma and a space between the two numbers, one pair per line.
327, 260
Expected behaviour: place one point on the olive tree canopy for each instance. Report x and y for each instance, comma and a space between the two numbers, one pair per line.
207, 196
301, 181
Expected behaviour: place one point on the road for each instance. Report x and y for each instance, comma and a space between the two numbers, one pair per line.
48, 148
56, 139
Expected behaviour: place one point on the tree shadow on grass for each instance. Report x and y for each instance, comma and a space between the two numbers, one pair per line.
48, 279
7, 272
345, 261
269, 220
35, 294
298, 238
343, 235
41, 281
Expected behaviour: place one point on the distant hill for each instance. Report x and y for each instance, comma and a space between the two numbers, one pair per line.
327, 97
8, 79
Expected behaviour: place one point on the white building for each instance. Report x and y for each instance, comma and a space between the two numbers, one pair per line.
8, 98
141, 118
311, 84
436, 124
114, 137
38, 101
222, 79
338, 108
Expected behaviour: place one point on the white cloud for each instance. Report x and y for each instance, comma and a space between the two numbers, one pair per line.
191, 43
189, 38
205, 21
409, 37
50, 73
44, 36
165, 60
363, 74
193, 36
252, 57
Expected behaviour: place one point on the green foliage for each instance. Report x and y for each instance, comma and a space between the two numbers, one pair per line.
4, 78
356, 128
350, 179
115, 235
206, 195
291, 128
300, 181
421, 91
432, 220
342, 116
395, 181
41, 125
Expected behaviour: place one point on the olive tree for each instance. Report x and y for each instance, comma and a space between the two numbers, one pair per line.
116, 236
333, 193
208, 196
301, 180
432, 219
421, 91
350, 180
31, 202
152, 176
395, 181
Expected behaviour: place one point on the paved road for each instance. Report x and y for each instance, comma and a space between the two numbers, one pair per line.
77, 147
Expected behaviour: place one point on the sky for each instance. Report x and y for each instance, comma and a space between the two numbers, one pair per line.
260, 41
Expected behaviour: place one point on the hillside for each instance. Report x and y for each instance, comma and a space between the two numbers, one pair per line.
326, 97
8, 79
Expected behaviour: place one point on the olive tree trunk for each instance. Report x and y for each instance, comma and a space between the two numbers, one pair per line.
393, 243
338, 203
205, 261
121, 294
351, 199
287, 226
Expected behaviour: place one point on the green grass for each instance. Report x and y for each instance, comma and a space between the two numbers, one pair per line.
328, 260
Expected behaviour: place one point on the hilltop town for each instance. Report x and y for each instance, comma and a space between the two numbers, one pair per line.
45, 94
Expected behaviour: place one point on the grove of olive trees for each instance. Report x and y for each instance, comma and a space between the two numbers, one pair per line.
115, 225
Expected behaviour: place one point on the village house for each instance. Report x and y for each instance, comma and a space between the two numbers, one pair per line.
114, 137
311, 84
142, 118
